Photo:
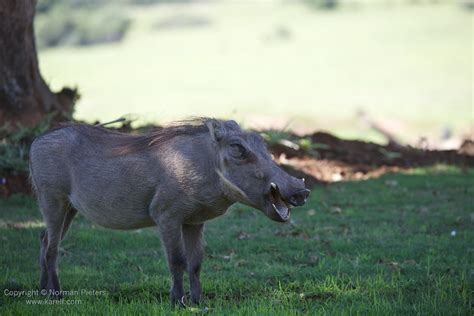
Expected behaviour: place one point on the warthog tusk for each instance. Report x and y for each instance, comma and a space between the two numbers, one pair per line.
273, 185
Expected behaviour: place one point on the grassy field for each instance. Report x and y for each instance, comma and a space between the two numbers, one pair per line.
400, 244
274, 63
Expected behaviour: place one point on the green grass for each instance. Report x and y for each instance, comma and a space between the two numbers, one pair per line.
273, 62
378, 247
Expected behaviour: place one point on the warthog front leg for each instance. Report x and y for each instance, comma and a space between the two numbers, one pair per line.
192, 235
171, 236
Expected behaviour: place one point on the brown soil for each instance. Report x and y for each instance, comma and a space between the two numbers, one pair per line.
335, 159
13, 182
332, 159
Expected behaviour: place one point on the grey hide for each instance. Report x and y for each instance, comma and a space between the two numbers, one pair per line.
175, 178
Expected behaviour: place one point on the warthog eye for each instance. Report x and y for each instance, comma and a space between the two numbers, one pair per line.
238, 151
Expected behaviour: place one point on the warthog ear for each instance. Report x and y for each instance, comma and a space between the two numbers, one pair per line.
216, 129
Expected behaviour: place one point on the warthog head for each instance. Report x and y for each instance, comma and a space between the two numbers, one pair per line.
249, 175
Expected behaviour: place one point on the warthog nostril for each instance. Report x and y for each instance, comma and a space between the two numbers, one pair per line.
299, 198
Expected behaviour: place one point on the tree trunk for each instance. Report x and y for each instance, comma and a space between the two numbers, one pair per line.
25, 99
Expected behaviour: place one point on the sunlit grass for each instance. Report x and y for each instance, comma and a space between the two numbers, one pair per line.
20, 225
273, 62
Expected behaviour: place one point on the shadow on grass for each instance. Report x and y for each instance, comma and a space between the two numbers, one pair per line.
385, 244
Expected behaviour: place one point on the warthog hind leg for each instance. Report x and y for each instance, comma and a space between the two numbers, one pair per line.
58, 218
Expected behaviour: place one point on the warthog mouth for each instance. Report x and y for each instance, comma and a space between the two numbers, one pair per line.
279, 205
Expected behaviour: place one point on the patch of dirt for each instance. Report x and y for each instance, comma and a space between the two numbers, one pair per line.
13, 182
331, 159
324, 170
334, 159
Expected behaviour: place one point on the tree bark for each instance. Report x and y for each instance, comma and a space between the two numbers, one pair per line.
25, 99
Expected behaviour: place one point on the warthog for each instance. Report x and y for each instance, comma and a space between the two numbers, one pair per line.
175, 178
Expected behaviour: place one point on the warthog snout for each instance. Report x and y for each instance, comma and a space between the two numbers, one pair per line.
283, 197
299, 197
